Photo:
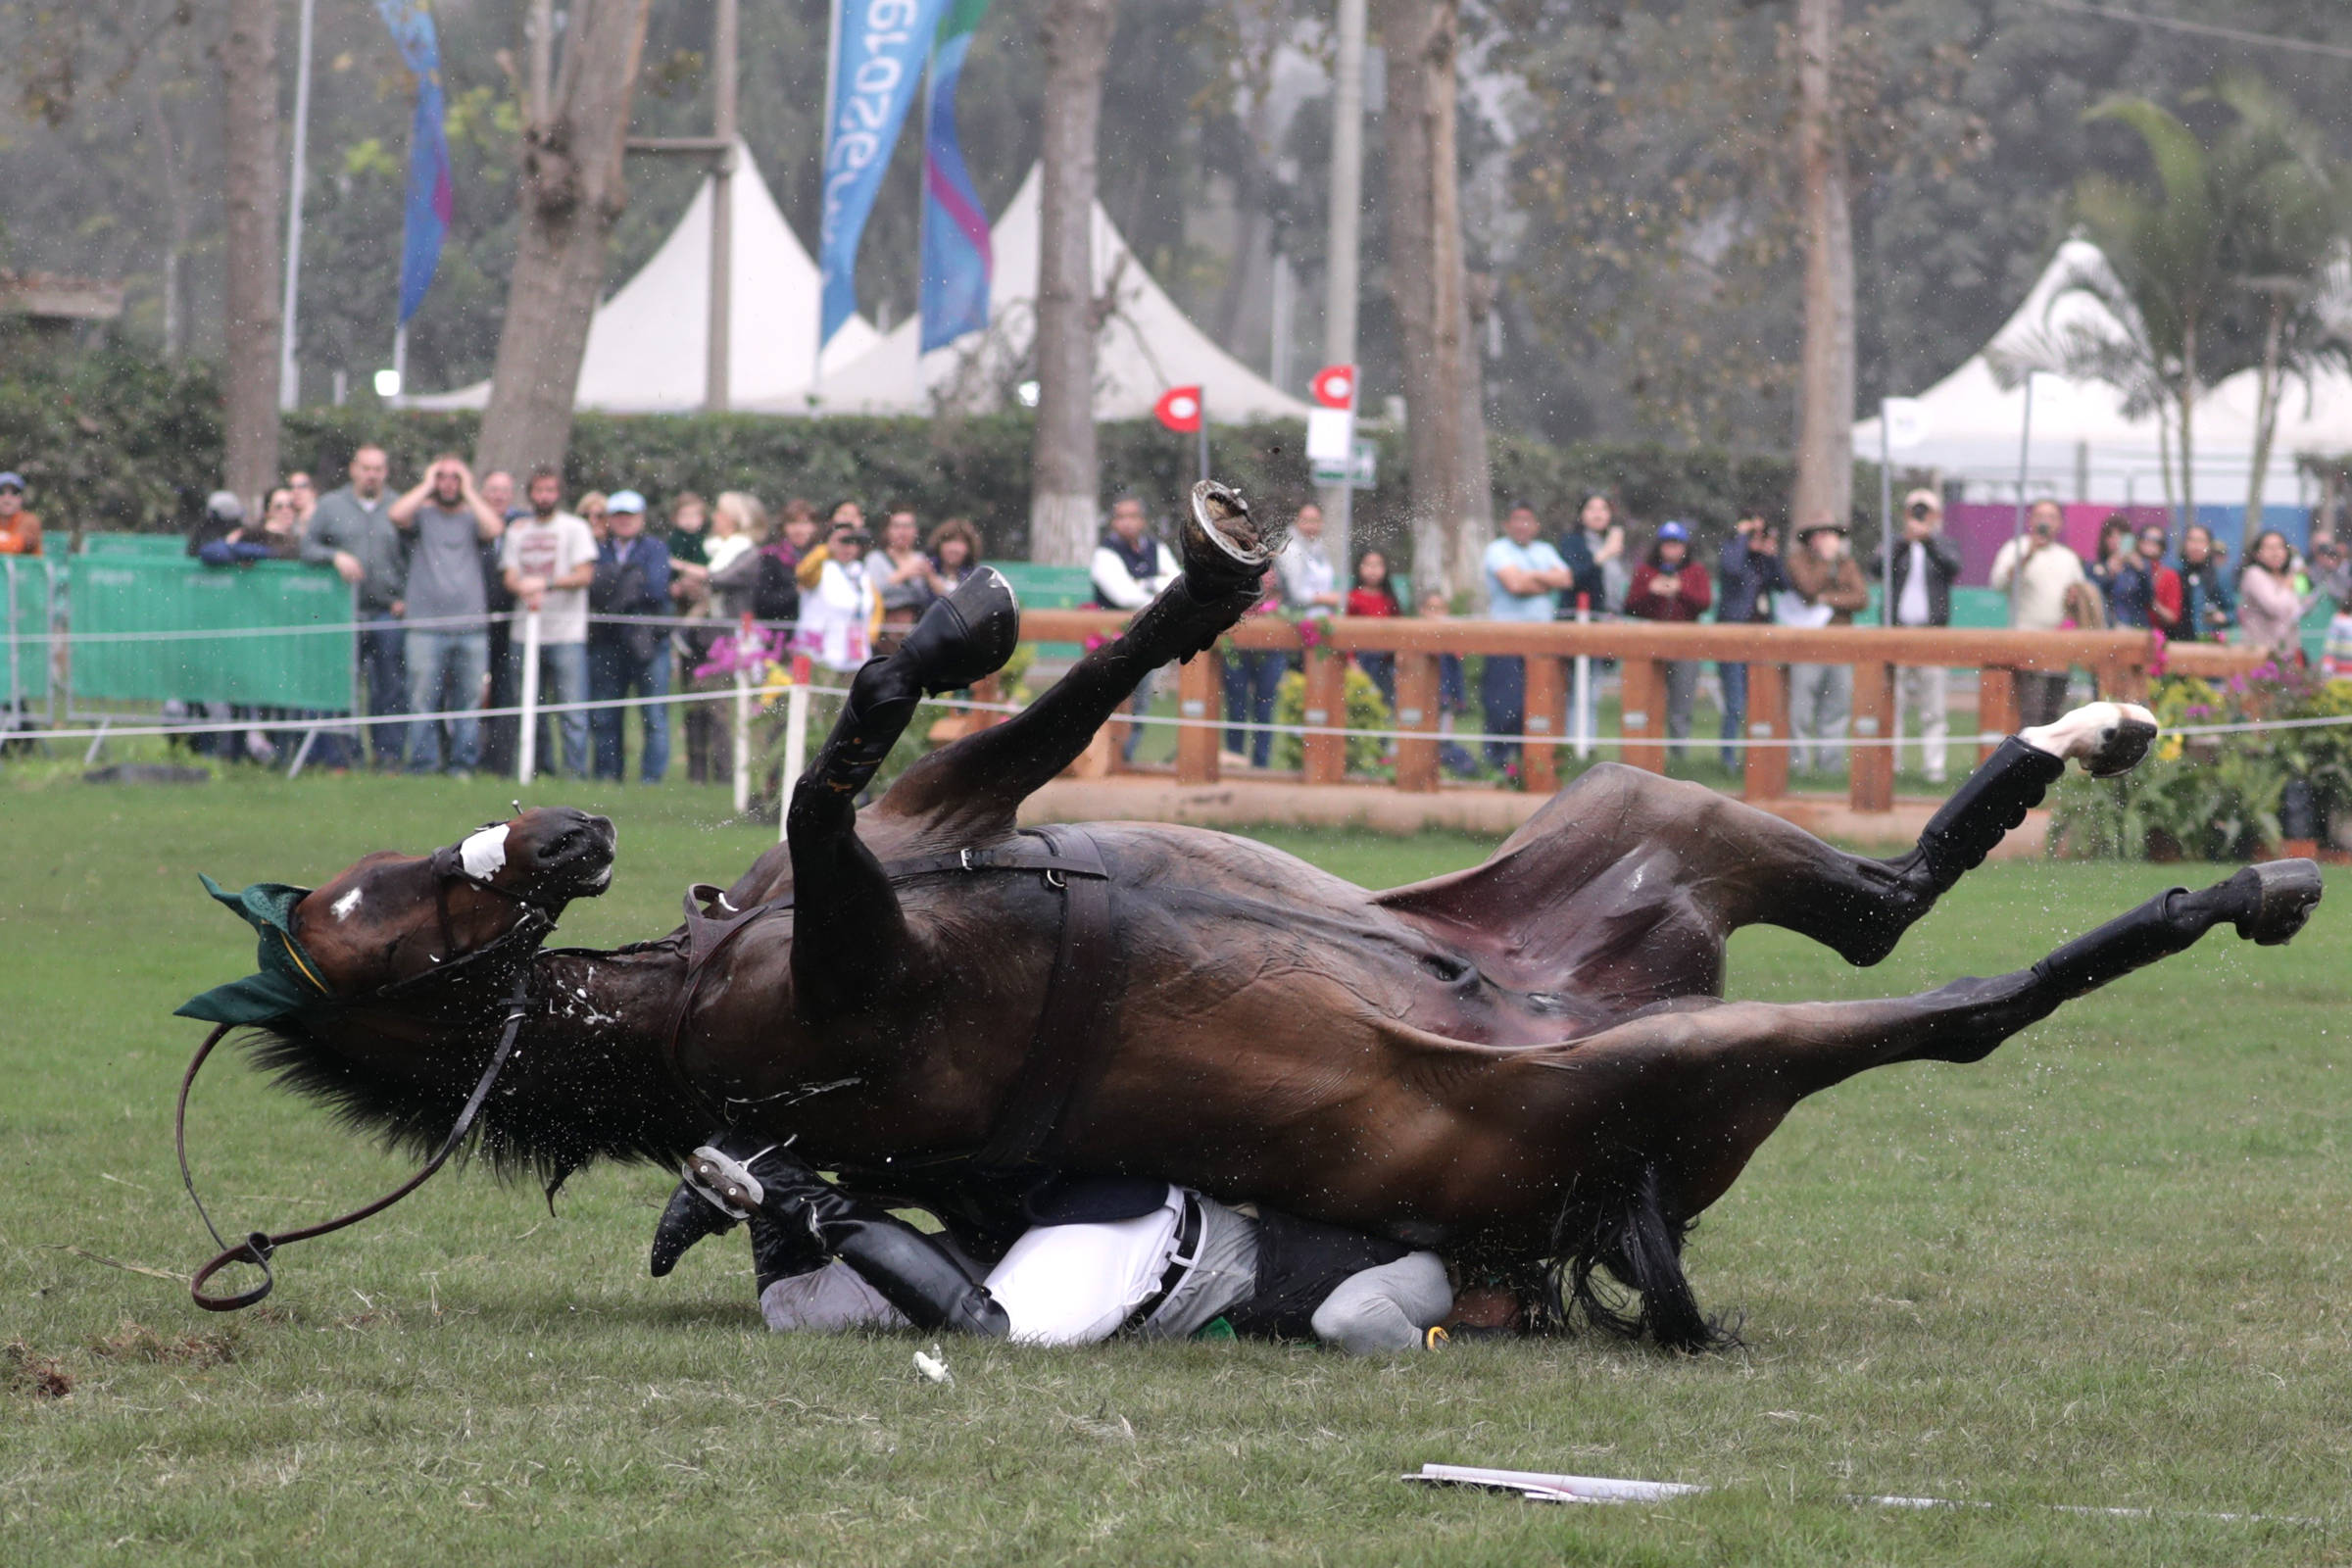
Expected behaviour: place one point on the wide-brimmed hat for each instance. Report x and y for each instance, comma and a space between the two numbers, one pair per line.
1820, 525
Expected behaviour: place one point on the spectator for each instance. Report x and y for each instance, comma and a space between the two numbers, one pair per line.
306, 497
1926, 565
1129, 570
1824, 589
776, 587
738, 526
352, 531
956, 552
1453, 691
1748, 569
449, 644
1375, 596
845, 516
629, 657
688, 541
2330, 570
902, 571
1669, 585
2207, 609
224, 538
1523, 575
727, 540
499, 730
1309, 581
1594, 550
839, 615
591, 511
1253, 678
549, 558
2145, 592
2269, 607
2114, 555
20, 530
2035, 571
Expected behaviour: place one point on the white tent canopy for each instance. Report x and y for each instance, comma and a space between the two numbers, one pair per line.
648, 344
1147, 344
2080, 438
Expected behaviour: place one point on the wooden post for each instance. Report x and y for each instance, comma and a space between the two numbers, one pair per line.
1417, 711
1641, 721
1197, 698
1767, 720
1870, 766
1326, 756
1546, 702
1996, 708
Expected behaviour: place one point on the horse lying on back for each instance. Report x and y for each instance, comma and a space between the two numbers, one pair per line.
1523, 1065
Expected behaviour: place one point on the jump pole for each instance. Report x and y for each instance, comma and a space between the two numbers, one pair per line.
526, 743
743, 721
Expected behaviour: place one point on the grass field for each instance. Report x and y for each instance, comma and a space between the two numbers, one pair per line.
2107, 1267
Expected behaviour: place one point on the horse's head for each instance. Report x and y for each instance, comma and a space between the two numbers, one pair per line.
391, 921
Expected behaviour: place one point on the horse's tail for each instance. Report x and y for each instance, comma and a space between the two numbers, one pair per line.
1622, 1227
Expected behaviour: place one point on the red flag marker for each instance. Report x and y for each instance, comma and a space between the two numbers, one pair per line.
1335, 386
1179, 409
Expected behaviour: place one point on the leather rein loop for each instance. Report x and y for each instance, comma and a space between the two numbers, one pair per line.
258, 1246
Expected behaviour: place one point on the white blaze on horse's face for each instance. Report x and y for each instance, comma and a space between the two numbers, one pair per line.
483, 855
343, 905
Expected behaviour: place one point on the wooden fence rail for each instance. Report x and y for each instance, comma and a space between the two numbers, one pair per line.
2122, 661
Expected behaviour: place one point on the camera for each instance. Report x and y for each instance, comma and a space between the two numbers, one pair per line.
1922, 511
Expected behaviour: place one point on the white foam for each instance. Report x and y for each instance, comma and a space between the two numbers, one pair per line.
343, 905
483, 855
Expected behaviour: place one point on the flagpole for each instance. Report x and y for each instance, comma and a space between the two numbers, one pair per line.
1204, 433
716, 371
289, 373
824, 156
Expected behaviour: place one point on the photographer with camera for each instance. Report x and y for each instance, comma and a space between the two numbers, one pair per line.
1925, 567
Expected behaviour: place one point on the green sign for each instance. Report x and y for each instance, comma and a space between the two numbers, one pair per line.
284, 632
1362, 471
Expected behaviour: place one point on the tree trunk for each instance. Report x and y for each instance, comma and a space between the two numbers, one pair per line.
249, 179
175, 233
1064, 482
1452, 503
572, 195
2266, 413
1825, 429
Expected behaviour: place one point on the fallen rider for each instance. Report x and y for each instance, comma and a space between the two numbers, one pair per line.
1099, 1257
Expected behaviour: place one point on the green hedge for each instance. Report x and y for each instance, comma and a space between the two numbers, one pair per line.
114, 441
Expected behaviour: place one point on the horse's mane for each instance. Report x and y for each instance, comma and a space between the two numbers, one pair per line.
552, 1112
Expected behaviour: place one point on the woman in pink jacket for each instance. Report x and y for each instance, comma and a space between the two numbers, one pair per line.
2270, 610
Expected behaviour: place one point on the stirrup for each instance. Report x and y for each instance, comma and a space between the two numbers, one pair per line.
725, 1182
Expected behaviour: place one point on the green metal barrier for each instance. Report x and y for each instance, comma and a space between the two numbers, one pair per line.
298, 668
133, 544
1043, 587
25, 598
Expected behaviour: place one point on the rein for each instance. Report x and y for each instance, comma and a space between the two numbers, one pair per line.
256, 1249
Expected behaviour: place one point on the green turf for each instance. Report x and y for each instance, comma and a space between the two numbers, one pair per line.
2108, 1266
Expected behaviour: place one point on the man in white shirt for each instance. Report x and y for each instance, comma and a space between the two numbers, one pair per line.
546, 561
2036, 571
1524, 574
1924, 568
1129, 570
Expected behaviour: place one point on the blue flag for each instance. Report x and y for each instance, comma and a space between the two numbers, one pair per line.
432, 200
956, 258
878, 51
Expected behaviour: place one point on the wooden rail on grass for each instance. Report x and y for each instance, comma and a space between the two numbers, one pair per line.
2121, 660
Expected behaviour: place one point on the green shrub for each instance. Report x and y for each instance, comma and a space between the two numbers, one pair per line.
1366, 711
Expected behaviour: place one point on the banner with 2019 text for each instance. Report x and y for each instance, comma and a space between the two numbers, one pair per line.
879, 49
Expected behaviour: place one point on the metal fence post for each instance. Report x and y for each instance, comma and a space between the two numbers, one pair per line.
527, 740
796, 742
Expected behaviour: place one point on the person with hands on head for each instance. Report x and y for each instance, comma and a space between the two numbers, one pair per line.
548, 558
449, 638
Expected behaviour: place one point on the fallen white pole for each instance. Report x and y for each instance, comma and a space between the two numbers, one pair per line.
526, 743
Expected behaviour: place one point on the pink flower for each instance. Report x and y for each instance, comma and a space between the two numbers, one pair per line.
1096, 640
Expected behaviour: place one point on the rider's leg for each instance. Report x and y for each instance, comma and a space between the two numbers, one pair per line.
1390, 1307
1079, 1283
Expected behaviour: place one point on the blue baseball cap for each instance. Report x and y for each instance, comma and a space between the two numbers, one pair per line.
12, 478
624, 501
1674, 530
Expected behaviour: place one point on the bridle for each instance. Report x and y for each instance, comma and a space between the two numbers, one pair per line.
528, 931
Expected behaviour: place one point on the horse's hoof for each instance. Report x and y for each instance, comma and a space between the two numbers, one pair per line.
2106, 738
1223, 542
967, 636
2283, 893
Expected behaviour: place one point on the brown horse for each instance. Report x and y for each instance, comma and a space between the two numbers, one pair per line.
1524, 1064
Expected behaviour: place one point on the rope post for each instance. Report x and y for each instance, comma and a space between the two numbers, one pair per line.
1767, 771
526, 741
1417, 711
743, 719
1870, 767
1542, 769
1643, 719
796, 740
1323, 758
1584, 683
1197, 703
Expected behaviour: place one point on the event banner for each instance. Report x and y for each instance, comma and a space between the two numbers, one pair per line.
432, 202
879, 47
956, 261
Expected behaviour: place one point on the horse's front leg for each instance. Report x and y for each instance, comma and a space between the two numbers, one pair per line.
987, 775
850, 939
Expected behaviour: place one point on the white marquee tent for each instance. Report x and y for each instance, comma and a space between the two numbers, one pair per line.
647, 344
1147, 344
2083, 446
